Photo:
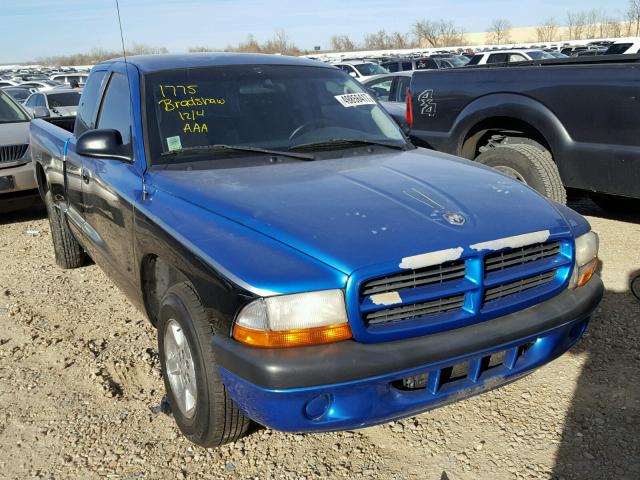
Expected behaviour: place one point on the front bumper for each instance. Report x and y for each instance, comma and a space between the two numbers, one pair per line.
349, 385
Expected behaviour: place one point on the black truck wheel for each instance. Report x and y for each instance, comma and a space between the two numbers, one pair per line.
201, 406
528, 164
68, 252
635, 286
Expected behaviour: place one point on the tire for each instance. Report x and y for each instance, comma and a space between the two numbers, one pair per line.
68, 252
635, 286
529, 164
613, 204
207, 417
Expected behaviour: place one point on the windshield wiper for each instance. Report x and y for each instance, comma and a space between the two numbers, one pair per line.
237, 148
344, 142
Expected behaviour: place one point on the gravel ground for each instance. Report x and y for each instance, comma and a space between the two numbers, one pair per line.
80, 392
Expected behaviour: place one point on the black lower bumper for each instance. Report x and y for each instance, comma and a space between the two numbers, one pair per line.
349, 360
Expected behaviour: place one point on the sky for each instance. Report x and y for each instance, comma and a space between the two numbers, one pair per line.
39, 28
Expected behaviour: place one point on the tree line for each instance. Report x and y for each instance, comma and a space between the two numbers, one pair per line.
578, 25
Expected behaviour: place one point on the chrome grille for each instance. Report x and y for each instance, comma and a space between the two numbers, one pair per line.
11, 153
415, 278
440, 305
518, 286
520, 256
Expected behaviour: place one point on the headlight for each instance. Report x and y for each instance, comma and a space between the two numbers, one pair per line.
294, 320
586, 259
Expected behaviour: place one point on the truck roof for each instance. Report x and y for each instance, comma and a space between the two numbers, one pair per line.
156, 63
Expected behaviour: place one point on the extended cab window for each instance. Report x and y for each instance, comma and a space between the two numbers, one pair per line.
115, 111
89, 102
266, 106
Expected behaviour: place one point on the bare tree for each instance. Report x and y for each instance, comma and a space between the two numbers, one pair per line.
632, 17
576, 25
96, 55
441, 33
593, 18
548, 31
499, 31
377, 41
342, 43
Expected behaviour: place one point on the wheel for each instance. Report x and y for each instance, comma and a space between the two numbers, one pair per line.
528, 164
201, 406
635, 286
68, 252
614, 204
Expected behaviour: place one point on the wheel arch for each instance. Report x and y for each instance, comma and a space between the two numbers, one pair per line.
508, 112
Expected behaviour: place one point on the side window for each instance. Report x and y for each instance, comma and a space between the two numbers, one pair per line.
40, 101
516, 57
407, 66
392, 67
382, 88
115, 109
497, 58
89, 102
31, 101
401, 89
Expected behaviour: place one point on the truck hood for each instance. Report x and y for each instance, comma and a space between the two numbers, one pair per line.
14, 133
363, 210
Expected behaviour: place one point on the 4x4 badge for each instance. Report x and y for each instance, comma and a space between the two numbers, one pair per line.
455, 218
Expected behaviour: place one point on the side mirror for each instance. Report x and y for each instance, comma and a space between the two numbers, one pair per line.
41, 112
104, 143
352, 74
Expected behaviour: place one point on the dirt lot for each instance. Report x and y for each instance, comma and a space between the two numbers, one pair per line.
80, 391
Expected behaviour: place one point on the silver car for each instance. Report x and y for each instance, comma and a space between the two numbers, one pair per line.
53, 103
17, 180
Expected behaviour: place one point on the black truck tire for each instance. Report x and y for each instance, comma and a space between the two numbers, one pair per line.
68, 252
635, 286
529, 164
210, 417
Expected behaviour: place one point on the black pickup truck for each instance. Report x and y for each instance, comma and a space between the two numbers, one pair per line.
551, 124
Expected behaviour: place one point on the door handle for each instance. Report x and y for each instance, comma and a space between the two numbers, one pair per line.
85, 175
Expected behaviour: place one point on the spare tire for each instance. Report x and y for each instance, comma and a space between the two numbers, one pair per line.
528, 164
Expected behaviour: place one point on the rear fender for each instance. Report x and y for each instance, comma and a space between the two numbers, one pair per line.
510, 106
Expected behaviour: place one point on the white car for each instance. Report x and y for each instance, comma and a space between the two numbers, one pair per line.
625, 46
17, 181
509, 56
40, 85
361, 70
66, 78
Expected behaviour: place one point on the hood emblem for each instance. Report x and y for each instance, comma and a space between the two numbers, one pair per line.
455, 218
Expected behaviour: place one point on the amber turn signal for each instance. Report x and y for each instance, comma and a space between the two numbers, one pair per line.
586, 272
292, 338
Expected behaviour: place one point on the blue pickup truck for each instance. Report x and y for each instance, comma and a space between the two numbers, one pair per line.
306, 266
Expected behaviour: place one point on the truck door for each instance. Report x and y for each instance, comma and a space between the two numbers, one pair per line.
109, 188
87, 110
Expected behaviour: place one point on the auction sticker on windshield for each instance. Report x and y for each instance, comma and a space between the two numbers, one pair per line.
174, 143
355, 99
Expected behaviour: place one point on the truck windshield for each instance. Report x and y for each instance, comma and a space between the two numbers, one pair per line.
10, 112
274, 107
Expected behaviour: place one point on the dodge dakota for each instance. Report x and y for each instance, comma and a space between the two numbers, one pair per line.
306, 266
